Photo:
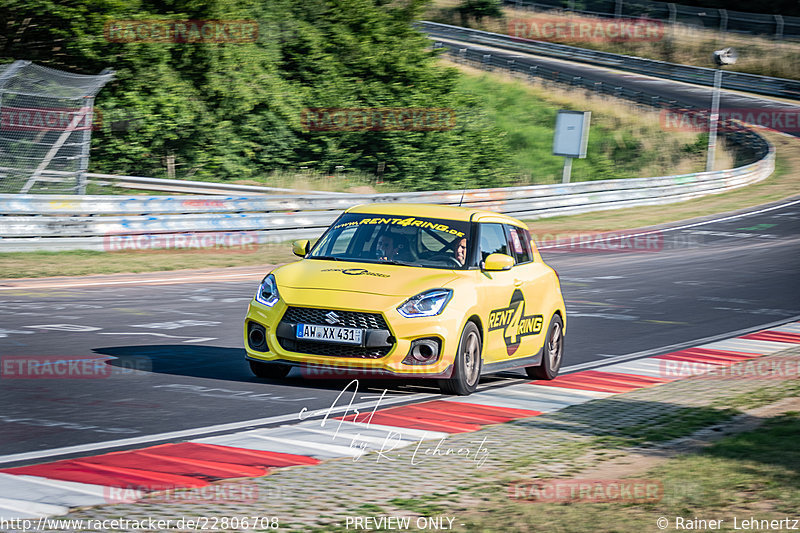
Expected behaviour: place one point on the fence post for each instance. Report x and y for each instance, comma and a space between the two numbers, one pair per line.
778, 26
673, 20
618, 9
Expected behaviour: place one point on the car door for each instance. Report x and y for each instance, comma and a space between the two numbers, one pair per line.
527, 332
497, 292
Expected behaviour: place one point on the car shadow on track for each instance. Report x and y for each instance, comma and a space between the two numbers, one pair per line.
228, 364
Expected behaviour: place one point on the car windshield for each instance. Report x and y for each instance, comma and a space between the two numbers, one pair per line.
411, 241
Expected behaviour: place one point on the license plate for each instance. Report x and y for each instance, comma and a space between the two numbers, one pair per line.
329, 333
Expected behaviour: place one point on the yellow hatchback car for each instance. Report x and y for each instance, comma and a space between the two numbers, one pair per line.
411, 291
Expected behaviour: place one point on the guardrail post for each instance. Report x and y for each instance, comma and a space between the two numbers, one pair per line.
723, 20
673, 19
618, 9
778, 26
532, 71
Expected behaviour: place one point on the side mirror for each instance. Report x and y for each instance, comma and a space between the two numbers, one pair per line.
498, 262
300, 248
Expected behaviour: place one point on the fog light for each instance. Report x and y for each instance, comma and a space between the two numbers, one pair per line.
423, 352
257, 337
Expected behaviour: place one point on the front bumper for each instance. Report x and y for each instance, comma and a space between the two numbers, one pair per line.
386, 344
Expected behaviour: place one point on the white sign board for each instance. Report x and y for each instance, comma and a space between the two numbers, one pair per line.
572, 133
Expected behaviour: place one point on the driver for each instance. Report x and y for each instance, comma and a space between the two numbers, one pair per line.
460, 250
386, 248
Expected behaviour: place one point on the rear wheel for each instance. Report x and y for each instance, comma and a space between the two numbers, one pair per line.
552, 353
269, 370
467, 364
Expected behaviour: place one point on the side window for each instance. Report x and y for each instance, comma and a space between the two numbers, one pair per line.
519, 242
493, 240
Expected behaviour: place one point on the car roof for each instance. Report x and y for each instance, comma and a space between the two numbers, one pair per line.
447, 212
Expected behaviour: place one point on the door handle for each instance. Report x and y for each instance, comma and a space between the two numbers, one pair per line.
517, 282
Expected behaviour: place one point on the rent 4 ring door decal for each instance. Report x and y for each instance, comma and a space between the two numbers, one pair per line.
514, 322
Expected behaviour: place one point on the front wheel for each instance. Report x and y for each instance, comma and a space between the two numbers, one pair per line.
552, 353
467, 364
269, 370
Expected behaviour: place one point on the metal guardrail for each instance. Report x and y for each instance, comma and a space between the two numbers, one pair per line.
62, 223
778, 26
698, 75
167, 185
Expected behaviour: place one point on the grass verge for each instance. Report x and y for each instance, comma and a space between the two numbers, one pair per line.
625, 141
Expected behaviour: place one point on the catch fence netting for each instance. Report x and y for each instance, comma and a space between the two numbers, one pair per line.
46, 122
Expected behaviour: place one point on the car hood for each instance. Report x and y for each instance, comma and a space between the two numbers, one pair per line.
369, 278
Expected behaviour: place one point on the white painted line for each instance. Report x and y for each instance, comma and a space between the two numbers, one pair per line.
255, 443
74, 486
748, 346
533, 399
349, 430
22, 509
685, 226
27, 488
417, 434
686, 369
642, 367
539, 394
506, 401
788, 328
330, 450
315, 434
85, 283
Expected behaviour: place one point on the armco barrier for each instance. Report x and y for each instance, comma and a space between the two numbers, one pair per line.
672, 71
36, 222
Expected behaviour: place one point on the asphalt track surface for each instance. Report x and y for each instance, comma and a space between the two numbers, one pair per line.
695, 95
692, 283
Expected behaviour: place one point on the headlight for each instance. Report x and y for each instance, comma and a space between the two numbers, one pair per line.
428, 303
267, 293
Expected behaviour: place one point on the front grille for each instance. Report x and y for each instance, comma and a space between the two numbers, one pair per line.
333, 350
350, 319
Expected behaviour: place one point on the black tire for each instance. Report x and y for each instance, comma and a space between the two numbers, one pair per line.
467, 365
552, 352
269, 370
